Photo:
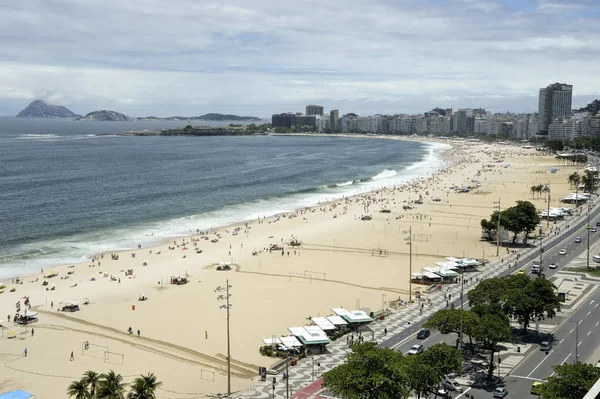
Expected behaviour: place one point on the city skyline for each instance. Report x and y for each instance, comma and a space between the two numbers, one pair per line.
180, 58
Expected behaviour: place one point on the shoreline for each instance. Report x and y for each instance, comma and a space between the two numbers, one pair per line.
344, 261
443, 161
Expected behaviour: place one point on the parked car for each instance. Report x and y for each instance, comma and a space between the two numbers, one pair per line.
451, 385
562, 252
535, 387
423, 334
415, 350
545, 346
500, 392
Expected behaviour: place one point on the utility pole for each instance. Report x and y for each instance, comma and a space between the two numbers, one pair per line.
576, 341
227, 306
287, 377
462, 291
548, 214
498, 227
408, 240
541, 252
588, 237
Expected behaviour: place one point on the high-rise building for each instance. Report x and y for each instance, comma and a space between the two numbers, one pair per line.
314, 110
554, 102
460, 121
334, 116
283, 120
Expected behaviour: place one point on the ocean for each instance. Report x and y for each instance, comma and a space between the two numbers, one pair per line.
69, 189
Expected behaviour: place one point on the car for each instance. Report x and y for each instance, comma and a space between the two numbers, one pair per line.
596, 258
423, 334
553, 265
443, 394
593, 230
415, 350
452, 385
545, 346
521, 271
500, 392
597, 224
535, 387
562, 252
577, 240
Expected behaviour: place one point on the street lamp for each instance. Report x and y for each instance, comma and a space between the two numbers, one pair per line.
588, 237
548, 214
497, 206
408, 239
462, 290
227, 306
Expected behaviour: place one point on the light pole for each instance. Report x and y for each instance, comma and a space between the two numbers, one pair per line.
462, 290
408, 239
541, 253
576, 341
497, 206
227, 306
548, 214
383, 296
587, 261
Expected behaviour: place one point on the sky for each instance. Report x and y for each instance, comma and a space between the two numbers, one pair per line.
259, 57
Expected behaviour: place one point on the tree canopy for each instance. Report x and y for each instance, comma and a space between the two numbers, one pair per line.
450, 320
571, 381
521, 218
518, 296
111, 386
369, 373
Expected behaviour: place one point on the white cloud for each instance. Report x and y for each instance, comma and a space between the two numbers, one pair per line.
193, 56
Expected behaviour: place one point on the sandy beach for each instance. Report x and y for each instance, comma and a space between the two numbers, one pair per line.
343, 262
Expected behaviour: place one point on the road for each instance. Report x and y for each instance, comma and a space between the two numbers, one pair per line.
537, 365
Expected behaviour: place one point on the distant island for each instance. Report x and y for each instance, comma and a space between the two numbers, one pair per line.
41, 109
213, 117
105, 115
189, 130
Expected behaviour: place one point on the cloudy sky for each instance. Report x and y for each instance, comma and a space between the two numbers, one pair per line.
258, 57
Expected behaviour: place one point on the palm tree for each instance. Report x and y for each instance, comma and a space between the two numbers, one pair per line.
574, 179
78, 390
111, 386
144, 387
91, 380
589, 181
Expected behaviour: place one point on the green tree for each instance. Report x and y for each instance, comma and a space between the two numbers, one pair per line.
521, 218
574, 179
517, 296
450, 320
444, 359
111, 386
420, 376
144, 387
589, 180
368, 373
572, 381
78, 390
493, 328
491, 225
91, 380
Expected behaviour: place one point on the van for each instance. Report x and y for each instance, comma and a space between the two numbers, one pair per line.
596, 258
535, 269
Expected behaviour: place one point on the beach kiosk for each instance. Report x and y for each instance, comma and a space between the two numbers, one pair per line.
324, 324
311, 337
338, 322
354, 318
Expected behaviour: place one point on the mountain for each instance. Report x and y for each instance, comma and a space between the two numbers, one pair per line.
593, 107
226, 117
105, 115
41, 109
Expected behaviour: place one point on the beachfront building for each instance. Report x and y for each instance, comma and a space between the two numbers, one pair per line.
576, 125
349, 123
314, 109
305, 120
287, 119
334, 116
554, 102
459, 121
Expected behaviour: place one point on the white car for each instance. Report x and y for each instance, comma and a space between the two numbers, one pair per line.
452, 385
562, 252
415, 350
553, 265
500, 392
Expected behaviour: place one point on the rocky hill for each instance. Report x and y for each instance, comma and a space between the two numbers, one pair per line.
105, 115
41, 109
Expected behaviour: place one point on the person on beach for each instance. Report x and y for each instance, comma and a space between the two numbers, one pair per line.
32, 332
72, 357
205, 334
25, 352
138, 331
